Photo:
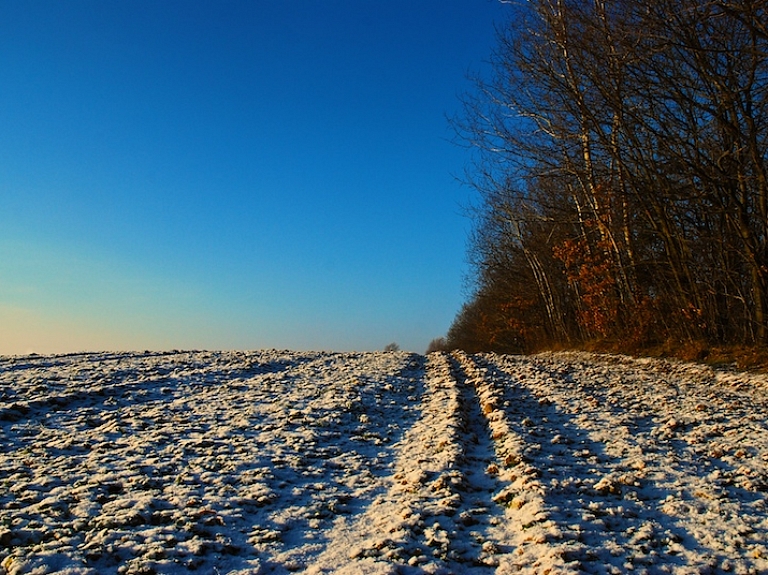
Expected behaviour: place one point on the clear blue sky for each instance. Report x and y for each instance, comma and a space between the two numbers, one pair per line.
233, 174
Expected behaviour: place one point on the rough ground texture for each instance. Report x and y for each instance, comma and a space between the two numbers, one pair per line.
278, 462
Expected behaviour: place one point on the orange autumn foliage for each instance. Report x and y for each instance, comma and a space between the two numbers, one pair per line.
589, 269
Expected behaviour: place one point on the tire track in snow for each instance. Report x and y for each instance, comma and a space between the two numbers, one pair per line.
438, 515
527, 531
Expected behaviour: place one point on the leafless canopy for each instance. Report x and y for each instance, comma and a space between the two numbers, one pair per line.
621, 154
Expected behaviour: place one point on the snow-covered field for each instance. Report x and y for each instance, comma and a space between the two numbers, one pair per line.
278, 462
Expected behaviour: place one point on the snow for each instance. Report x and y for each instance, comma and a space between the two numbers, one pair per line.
286, 462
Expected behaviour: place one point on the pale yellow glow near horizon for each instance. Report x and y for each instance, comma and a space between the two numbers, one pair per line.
24, 331
55, 300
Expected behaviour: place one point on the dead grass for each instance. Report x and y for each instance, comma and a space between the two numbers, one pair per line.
746, 358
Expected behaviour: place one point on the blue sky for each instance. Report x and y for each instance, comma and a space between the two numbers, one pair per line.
233, 174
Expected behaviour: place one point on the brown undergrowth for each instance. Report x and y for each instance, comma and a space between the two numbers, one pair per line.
747, 358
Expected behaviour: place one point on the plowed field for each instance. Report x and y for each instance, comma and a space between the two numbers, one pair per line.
287, 462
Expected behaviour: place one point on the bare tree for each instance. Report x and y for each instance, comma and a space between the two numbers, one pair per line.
621, 152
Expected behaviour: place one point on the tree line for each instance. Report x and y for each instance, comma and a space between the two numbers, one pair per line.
620, 152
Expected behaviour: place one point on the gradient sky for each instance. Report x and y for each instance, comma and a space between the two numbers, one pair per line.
233, 174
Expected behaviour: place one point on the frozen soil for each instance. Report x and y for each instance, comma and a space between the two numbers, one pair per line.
287, 462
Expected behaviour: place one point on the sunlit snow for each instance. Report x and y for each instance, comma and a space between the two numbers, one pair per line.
286, 462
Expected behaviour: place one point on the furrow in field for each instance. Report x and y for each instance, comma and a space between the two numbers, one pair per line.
402, 526
528, 531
